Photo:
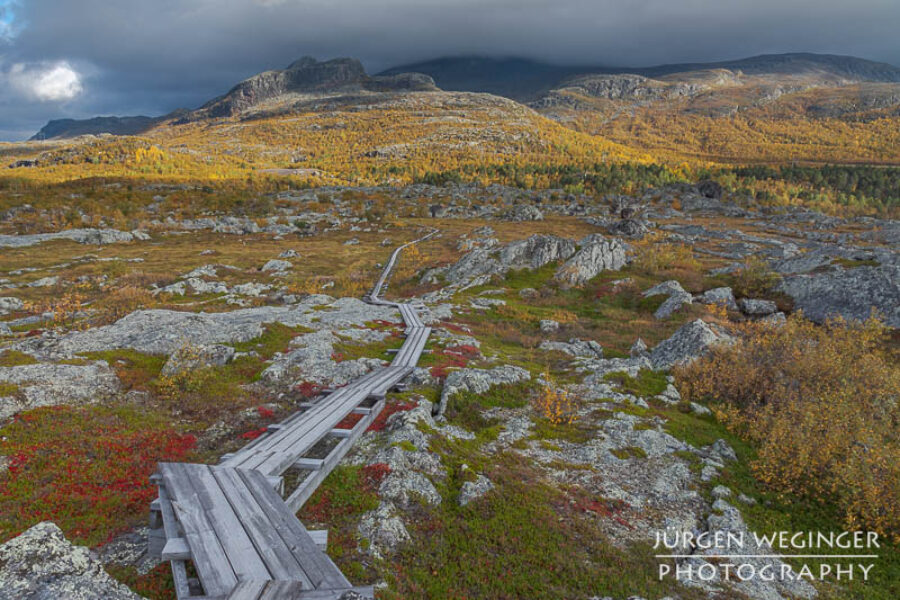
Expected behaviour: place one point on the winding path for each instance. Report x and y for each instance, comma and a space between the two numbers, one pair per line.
232, 522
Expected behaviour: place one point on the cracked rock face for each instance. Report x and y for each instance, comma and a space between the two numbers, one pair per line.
849, 293
41, 564
48, 384
597, 254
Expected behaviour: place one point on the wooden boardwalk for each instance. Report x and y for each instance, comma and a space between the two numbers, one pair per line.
234, 523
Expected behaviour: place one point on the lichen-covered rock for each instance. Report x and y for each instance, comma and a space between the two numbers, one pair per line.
575, 347
536, 251
81, 236
721, 296
479, 381
41, 564
691, 341
9, 304
311, 359
484, 261
549, 325
276, 266
677, 297
158, 331
758, 308
50, 384
524, 212
850, 293
596, 254
189, 358
472, 490
726, 520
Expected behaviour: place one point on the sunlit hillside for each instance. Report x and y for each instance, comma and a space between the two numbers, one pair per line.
341, 140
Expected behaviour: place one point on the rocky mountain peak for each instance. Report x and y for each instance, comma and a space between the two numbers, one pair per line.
309, 75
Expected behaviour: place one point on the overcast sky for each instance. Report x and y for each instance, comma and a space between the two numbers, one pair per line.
81, 58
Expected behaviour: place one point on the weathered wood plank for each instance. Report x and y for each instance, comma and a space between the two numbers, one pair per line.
320, 570
215, 571
175, 549
268, 543
228, 527
172, 530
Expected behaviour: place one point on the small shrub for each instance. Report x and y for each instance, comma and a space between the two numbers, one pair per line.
754, 278
555, 404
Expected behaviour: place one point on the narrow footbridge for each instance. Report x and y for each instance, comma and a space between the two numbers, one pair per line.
231, 529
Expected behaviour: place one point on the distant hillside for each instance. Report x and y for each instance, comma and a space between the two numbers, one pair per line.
69, 128
517, 78
526, 80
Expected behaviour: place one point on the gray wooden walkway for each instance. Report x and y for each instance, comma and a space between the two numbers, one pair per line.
236, 525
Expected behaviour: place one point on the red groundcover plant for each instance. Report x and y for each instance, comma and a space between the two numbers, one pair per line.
87, 469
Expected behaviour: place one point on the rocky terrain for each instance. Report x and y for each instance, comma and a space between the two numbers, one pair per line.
548, 394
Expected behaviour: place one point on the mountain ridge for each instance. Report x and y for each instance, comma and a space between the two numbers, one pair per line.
519, 79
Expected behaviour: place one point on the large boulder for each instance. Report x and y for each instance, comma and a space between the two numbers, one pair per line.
536, 251
691, 341
596, 254
41, 564
849, 293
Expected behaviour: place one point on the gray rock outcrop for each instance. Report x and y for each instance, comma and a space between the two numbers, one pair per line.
596, 254
41, 564
691, 341
50, 384
850, 293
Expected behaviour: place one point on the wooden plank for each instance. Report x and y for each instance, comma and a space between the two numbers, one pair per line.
318, 567
268, 543
320, 538
170, 526
209, 558
228, 526
281, 590
309, 464
175, 549
248, 590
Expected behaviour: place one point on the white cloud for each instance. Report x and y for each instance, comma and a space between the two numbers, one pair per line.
54, 82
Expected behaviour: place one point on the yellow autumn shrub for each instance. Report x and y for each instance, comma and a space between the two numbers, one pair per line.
820, 405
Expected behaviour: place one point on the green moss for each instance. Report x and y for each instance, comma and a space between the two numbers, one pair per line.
406, 445
275, 338
8, 389
543, 429
850, 263
465, 408
135, 369
523, 540
629, 452
647, 383
15, 358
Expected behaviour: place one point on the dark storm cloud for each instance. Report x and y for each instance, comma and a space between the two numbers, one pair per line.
78, 58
